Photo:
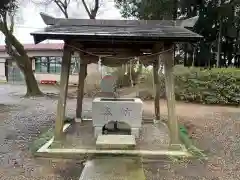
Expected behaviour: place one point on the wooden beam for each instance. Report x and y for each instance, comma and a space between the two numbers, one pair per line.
114, 51
102, 49
118, 57
116, 45
169, 83
155, 59
81, 81
148, 59
88, 59
156, 89
61, 107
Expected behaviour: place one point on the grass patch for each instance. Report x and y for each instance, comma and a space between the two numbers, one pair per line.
3, 82
45, 137
188, 144
187, 141
41, 140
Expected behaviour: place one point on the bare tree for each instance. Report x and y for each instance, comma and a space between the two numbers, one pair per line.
62, 5
15, 49
92, 12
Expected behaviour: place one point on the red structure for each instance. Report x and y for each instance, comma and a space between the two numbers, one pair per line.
48, 82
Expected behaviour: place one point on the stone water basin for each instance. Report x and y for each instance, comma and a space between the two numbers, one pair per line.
126, 110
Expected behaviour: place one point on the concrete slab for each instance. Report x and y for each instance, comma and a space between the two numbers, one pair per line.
113, 169
115, 142
153, 137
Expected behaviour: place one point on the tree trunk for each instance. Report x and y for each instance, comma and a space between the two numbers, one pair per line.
30, 80
193, 57
219, 44
31, 84
185, 62
22, 60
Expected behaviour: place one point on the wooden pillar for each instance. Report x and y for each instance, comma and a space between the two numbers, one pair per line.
66, 62
156, 89
169, 83
80, 91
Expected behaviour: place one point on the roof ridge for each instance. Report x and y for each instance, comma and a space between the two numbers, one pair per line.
50, 20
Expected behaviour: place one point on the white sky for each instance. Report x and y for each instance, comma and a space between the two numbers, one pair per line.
29, 20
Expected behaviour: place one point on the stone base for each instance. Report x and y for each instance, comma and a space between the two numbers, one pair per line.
115, 142
177, 147
107, 94
97, 131
134, 131
79, 120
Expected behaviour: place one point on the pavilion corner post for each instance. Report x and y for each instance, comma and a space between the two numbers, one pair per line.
80, 90
156, 89
168, 58
61, 107
156, 48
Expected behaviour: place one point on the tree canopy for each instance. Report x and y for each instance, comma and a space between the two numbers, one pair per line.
146, 9
215, 17
7, 6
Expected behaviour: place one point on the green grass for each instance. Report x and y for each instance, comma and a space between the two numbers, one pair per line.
3, 81
186, 140
45, 137
41, 140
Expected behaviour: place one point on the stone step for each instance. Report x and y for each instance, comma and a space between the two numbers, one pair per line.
113, 169
115, 142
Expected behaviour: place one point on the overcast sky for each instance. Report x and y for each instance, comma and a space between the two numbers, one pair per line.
29, 20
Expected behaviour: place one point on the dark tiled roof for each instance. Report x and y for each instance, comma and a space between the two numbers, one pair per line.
154, 30
49, 20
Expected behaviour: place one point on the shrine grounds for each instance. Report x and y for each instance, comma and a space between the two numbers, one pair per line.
216, 130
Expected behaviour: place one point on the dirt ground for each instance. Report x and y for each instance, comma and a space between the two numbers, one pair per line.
217, 132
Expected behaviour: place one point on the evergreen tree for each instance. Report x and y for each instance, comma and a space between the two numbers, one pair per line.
218, 22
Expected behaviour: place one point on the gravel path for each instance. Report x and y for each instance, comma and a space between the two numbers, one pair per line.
217, 132
22, 120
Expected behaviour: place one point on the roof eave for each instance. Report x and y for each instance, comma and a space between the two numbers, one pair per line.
39, 37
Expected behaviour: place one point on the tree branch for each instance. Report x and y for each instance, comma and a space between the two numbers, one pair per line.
4, 19
86, 8
67, 2
12, 39
60, 3
63, 7
13, 53
10, 50
95, 10
11, 29
92, 13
